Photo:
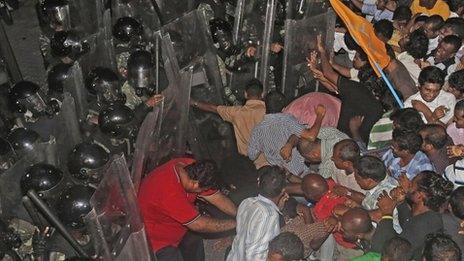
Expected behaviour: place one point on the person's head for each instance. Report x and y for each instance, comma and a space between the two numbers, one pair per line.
430, 190
396, 249
459, 114
310, 150
419, 22
447, 48
453, 26
254, 90
407, 119
405, 144
381, 4
383, 29
314, 186
432, 25
356, 224
200, 176
345, 154
285, 247
360, 59
440, 247
456, 6
369, 172
434, 137
456, 202
350, 42
417, 44
431, 80
401, 17
275, 102
456, 84
271, 182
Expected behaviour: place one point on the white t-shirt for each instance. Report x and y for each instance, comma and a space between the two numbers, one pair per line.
413, 69
443, 99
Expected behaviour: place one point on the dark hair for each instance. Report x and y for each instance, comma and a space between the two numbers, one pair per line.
275, 102
203, 171
397, 249
271, 181
390, 51
254, 88
431, 74
366, 72
384, 27
349, 150
454, 40
436, 189
456, 80
350, 42
402, 13
459, 106
370, 167
454, 5
407, 119
435, 134
418, 44
439, 247
421, 18
409, 141
436, 21
456, 24
457, 202
388, 101
288, 245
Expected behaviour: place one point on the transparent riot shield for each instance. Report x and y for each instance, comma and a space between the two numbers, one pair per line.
10, 196
172, 9
300, 39
146, 145
301, 9
75, 86
114, 224
254, 26
104, 55
87, 16
142, 10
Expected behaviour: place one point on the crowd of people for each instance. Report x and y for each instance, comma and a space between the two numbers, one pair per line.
347, 173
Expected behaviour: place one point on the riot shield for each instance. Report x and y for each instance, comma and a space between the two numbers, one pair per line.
254, 26
114, 223
146, 145
301, 9
75, 86
142, 10
104, 55
10, 196
87, 16
172, 9
300, 39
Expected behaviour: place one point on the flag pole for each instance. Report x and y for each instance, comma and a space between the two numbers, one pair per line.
390, 86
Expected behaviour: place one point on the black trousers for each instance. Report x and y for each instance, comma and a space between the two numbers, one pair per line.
190, 249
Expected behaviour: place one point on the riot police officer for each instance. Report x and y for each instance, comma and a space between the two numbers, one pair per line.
86, 162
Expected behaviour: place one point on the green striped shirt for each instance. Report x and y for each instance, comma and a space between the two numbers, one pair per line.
381, 133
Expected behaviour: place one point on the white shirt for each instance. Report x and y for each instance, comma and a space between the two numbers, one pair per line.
433, 44
257, 225
455, 173
444, 98
413, 69
342, 178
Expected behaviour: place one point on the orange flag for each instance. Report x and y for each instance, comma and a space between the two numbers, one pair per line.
363, 33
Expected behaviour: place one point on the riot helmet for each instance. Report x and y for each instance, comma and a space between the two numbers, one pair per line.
127, 30
7, 155
104, 83
26, 96
57, 14
140, 68
56, 78
23, 140
118, 122
73, 205
86, 161
68, 44
221, 32
42, 178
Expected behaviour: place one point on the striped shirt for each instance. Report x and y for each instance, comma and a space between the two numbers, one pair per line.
419, 163
381, 133
257, 225
270, 135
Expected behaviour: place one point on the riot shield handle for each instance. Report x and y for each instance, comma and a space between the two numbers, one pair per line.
53, 219
32, 211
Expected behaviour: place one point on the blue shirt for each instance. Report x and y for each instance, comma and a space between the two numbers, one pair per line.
419, 163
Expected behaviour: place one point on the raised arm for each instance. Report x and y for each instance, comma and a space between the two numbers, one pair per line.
327, 69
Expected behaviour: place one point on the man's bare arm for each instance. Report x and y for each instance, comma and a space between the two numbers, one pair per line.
204, 106
204, 224
223, 203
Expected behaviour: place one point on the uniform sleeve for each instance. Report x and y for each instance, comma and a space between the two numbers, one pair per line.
180, 209
227, 113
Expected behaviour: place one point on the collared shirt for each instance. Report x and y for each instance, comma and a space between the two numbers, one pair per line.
419, 162
257, 225
244, 119
381, 133
457, 134
433, 44
329, 137
440, 8
443, 99
270, 135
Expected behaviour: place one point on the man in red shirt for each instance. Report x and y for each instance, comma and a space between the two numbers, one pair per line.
166, 198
